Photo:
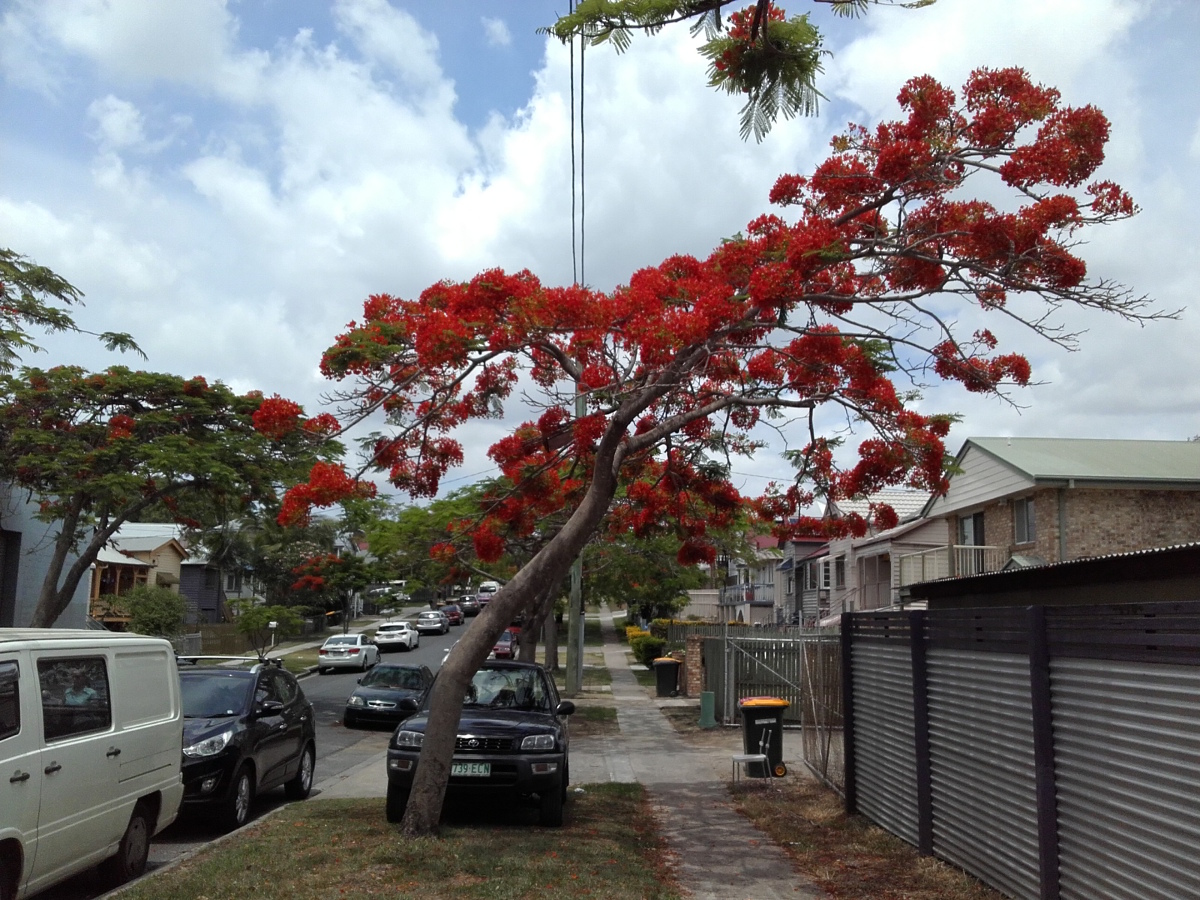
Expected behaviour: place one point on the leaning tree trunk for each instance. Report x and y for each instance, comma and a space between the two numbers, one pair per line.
549, 566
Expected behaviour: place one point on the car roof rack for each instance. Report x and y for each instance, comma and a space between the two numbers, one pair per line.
196, 659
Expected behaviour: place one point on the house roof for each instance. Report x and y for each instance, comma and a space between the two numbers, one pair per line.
906, 504
109, 556
1081, 459
147, 544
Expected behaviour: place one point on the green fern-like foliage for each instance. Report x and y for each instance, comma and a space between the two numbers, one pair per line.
776, 72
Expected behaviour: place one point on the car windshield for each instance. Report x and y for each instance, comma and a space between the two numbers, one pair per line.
400, 678
210, 695
345, 640
505, 637
508, 689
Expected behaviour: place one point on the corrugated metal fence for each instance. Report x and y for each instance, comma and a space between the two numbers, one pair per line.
1053, 752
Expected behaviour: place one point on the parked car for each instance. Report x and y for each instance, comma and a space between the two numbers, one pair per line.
506, 646
377, 698
245, 732
453, 613
347, 651
432, 620
469, 606
91, 740
512, 744
396, 636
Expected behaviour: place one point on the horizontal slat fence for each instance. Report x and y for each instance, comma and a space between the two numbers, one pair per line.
1052, 752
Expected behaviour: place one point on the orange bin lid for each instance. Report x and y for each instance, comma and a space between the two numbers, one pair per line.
670, 659
763, 701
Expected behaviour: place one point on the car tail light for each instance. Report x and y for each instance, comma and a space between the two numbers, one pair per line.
322, 652
353, 650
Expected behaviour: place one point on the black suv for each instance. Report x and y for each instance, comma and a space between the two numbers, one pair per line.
245, 731
512, 741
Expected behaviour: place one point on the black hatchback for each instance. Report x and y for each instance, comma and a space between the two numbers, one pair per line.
245, 731
377, 698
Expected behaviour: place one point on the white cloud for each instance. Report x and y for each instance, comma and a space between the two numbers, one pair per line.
496, 32
119, 121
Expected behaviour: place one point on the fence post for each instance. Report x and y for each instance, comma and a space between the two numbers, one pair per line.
1043, 752
920, 696
848, 716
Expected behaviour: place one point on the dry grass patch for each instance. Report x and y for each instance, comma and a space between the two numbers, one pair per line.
608, 848
847, 855
594, 721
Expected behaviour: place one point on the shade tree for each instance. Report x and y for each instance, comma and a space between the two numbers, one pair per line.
96, 449
854, 286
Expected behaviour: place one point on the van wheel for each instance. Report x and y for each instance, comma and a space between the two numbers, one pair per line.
237, 807
8, 879
397, 800
298, 788
130, 859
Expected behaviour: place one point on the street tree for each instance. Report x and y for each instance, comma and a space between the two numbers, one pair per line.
153, 610
261, 624
96, 449
33, 297
758, 52
337, 579
856, 285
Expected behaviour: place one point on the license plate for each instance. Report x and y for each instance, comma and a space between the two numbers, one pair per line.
471, 770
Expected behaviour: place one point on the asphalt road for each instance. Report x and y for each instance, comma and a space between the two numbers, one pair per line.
338, 749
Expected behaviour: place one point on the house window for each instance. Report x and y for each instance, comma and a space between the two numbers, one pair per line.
233, 582
839, 572
1023, 519
970, 530
824, 574
210, 579
791, 585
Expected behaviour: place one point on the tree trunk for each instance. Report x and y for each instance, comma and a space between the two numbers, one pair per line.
549, 566
550, 639
53, 598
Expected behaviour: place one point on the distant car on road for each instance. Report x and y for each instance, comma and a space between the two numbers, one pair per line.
245, 731
505, 647
432, 620
377, 698
453, 613
512, 742
469, 606
487, 590
396, 636
347, 651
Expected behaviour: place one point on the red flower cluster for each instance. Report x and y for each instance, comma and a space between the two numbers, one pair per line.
328, 483
277, 417
121, 426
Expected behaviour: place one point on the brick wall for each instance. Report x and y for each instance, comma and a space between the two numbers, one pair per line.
1099, 522
692, 681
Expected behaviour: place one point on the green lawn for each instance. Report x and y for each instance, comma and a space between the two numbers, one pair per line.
608, 847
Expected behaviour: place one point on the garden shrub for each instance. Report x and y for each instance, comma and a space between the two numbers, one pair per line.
647, 648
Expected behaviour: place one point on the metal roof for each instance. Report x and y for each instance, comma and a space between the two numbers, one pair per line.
905, 504
1085, 459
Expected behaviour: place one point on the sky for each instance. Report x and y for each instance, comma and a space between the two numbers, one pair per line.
228, 180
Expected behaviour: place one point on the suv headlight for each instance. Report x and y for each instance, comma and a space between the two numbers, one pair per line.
408, 740
209, 746
355, 700
538, 742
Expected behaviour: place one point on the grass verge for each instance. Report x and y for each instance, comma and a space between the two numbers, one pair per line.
847, 855
594, 721
607, 848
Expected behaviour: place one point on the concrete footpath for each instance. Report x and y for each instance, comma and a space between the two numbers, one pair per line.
717, 853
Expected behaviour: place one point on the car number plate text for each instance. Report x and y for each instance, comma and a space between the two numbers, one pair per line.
471, 770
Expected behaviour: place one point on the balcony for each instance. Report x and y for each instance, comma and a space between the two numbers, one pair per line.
951, 562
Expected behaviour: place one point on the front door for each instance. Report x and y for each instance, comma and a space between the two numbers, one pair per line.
970, 534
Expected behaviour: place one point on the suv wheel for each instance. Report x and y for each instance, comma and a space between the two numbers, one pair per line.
550, 813
298, 788
397, 800
237, 807
130, 859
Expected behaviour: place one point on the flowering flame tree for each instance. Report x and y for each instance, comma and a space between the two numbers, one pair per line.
825, 305
98, 449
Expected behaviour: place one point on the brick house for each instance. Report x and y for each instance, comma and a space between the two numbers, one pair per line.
1020, 502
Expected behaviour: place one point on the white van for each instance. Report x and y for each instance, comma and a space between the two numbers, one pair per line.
91, 741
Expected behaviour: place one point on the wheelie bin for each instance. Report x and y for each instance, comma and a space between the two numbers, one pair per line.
762, 732
666, 676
